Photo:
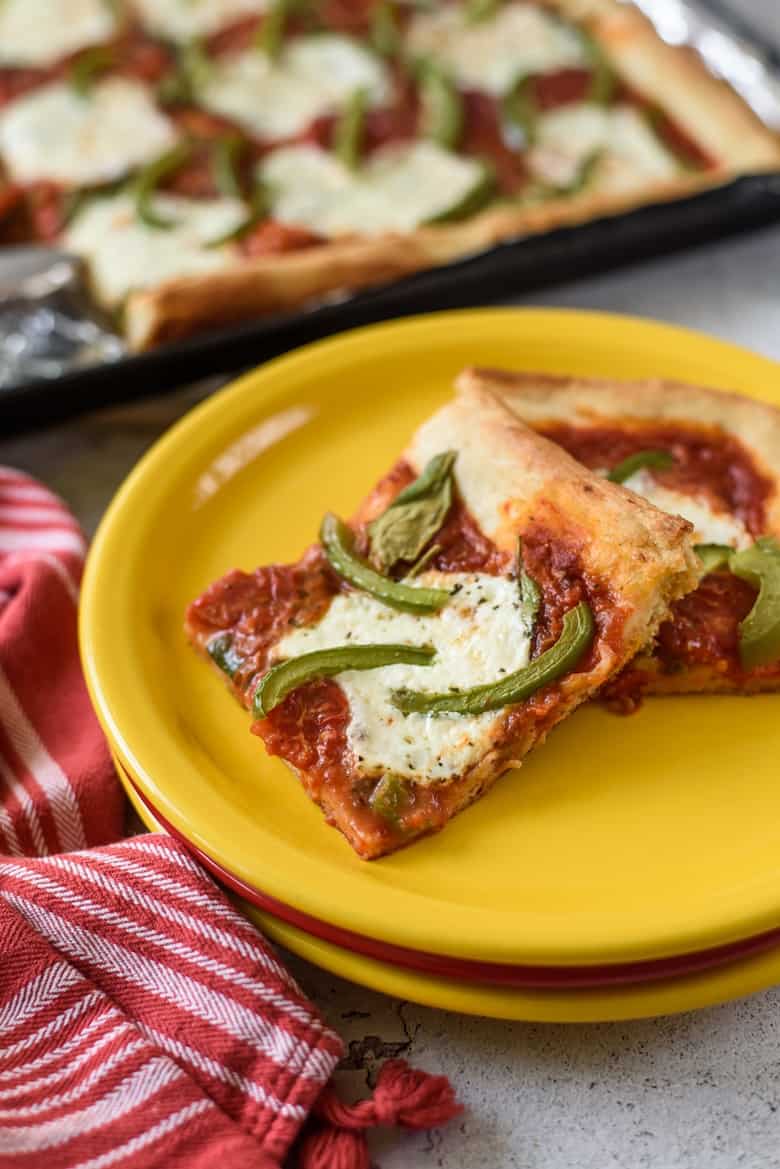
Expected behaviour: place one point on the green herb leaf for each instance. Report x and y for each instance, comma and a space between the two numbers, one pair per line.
576, 636
414, 516
759, 633
220, 650
225, 165
325, 663
713, 556
637, 462
423, 561
390, 798
336, 540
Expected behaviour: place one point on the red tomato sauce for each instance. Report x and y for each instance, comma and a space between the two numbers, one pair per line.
705, 460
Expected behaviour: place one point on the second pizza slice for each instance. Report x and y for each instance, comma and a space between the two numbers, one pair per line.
487, 586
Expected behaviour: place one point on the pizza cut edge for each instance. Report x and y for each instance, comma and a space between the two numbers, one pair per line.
699, 650
582, 540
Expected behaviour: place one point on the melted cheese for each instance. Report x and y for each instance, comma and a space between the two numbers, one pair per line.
491, 55
398, 188
633, 154
56, 133
479, 636
184, 20
313, 76
711, 526
40, 32
124, 254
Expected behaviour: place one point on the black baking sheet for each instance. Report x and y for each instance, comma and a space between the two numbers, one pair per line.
511, 268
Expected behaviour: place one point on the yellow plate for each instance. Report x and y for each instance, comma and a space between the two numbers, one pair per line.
642, 1001
621, 840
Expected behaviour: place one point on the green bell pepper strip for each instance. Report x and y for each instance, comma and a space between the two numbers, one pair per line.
472, 202
149, 179
85, 70
385, 33
271, 33
336, 539
325, 663
258, 209
478, 10
713, 556
576, 636
759, 633
637, 462
443, 108
603, 81
225, 169
520, 109
350, 130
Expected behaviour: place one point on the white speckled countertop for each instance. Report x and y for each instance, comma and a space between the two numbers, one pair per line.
686, 1092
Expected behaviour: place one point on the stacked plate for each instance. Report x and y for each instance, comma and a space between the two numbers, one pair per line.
631, 868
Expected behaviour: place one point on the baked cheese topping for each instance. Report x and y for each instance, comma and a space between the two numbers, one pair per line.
479, 636
492, 55
184, 20
313, 76
711, 526
632, 153
398, 188
125, 254
36, 33
56, 133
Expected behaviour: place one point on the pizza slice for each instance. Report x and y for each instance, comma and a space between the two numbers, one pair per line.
487, 586
709, 456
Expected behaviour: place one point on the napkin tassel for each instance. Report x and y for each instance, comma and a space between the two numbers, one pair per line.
403, 1096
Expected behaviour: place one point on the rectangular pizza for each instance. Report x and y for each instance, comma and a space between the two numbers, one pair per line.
213, 160
486, 587
710, 456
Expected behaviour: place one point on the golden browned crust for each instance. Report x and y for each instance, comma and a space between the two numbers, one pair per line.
674, 78
540, 398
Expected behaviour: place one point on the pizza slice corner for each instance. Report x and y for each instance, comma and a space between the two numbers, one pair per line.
487, 586
710, 456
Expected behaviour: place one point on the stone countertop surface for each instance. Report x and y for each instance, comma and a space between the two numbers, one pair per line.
683, 1092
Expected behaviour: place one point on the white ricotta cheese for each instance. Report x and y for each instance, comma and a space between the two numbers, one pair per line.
56, 133
633, 155
184, 20
491, 55
398, 188
124, 254
38, 32
313, 76
711, 526
480, 636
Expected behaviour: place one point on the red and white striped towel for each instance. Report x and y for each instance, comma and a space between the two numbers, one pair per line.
143, 1021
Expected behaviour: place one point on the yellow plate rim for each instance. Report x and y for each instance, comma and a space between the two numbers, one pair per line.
617, 1004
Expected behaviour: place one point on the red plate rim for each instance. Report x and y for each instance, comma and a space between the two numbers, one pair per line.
492, 973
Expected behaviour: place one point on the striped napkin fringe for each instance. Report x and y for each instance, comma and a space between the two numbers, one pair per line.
144, 1022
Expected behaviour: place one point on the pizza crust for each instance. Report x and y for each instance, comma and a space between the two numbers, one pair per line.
540, 398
